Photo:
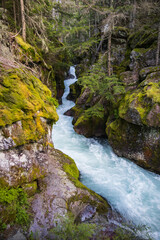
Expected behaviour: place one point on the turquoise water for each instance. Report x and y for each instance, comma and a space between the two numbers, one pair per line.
131, 190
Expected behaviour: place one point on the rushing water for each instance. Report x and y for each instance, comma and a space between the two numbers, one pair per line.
131, 190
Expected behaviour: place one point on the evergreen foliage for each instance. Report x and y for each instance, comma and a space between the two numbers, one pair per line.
97, 81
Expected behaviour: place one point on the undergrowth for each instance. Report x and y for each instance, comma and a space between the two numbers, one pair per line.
97, 81
67, 229
13, 207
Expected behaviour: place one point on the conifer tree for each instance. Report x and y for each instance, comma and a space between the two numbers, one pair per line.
23, 20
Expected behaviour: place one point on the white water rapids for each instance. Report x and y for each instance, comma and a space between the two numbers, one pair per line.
131, 190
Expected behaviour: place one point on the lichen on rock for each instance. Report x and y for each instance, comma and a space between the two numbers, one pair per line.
138, 106
25, 103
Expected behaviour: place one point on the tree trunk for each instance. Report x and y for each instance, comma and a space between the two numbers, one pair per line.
3, 4
158, 47
89, 25
109, 53
14, 12
23, 20
133, 15
111, 3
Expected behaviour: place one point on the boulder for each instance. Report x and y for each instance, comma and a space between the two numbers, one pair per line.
135, 142
130, 79
91, 122
141, 106
75, 91
142, 57
145, 71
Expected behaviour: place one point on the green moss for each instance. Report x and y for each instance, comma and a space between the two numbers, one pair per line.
140, 51
3, 183
142, 38
94, 199
30, 188
24, 98
97, 111
122, 29
153, 92
145, 71
27, 51
137, 101
112, 129
137, 104
14, 206
35, 173
72, 171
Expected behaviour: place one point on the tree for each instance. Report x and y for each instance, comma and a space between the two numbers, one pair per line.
158, 47
23, 20
14, 12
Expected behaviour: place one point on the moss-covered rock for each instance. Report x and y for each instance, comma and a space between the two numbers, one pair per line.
142, 106
143, 38
27, 104
62, 192
138, 143
129, 80
91, 122
23, 164
27, 52
142, 57
75, 91
145, 71
30, 188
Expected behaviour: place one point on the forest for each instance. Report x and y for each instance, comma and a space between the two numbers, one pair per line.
79, 119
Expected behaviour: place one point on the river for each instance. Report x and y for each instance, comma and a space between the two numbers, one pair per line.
131, 190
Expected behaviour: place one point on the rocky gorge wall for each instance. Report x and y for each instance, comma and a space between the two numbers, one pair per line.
131, 122
30, 167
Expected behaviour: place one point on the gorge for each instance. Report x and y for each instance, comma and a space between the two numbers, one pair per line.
79, 156
131, 190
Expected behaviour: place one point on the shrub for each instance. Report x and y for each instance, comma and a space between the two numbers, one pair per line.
66, 229
14, 206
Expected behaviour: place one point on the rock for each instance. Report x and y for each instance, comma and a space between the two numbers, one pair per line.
141, 106
120, 32
153, 77
69, 112
18, 236
23, 164
70, 76
145, 71
136, 134
30, 188
61, 191
130, 79
137, 143
143, 38
91, 122
141, 57
84, 96
86, 214
75, 91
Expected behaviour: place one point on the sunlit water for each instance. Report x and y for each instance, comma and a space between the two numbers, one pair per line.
131, 190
